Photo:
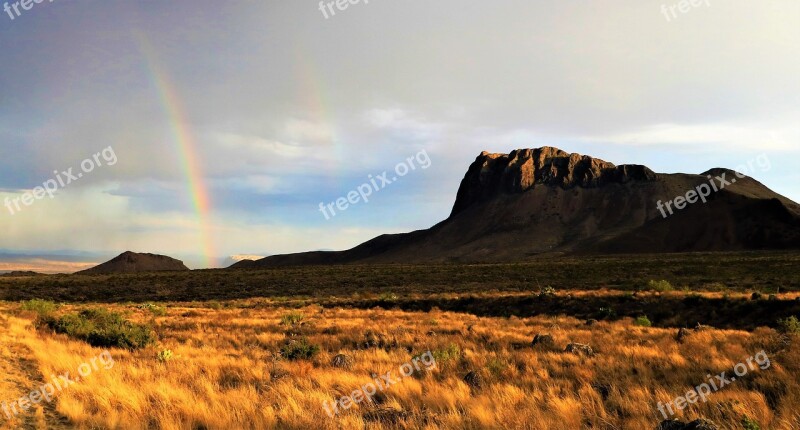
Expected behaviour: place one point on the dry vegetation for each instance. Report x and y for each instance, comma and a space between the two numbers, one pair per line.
224, 370
764, 271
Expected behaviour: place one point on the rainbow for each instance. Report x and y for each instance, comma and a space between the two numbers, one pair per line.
186, 148
315, 99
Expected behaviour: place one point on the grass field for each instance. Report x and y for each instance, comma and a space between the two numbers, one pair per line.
244, 352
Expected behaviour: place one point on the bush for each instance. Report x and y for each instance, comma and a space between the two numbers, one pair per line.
41, 307
497, 366
156, 310
750, 424
604, 313
292, 318
660, 286
101, 328
643, 321
444, 355
300, 350
165, 355
388, 297
789, 325
547, 291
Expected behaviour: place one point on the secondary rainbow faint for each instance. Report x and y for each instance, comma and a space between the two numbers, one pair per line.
313, 93
185, 145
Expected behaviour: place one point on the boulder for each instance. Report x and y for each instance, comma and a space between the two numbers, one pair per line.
342, 361
543, 340
579, 349
700, 424
474, 380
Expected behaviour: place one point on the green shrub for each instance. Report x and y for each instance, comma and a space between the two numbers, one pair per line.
449, 353
750, 424
547, 291
41, 307
643, 321
789, 325
300, 350
156, 310
292, 318
660, 286
165, 355
497, 366
388, 297
101, 328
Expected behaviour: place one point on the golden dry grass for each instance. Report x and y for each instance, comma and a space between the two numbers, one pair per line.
226, 372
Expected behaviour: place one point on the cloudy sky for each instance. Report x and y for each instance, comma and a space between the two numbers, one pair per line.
229, 122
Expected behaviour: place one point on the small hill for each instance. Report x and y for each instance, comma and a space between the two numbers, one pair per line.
132, 262
21, 274
517, 206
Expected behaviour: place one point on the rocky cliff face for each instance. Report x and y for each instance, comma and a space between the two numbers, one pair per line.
532, 202
523, 169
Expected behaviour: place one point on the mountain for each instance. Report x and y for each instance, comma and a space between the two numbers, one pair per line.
132, 262
512, 207
233, 259
20, 274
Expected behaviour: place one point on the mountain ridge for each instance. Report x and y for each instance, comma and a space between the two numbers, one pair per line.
513, 207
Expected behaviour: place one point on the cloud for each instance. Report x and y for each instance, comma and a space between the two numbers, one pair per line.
285, 109
779, 137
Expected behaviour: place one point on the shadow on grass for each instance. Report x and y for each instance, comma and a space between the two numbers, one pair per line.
665, 311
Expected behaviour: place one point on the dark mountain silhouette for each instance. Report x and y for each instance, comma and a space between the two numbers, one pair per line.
21, 274
131, 262
512, 207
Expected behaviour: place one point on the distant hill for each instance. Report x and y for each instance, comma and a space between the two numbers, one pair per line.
233, 259
513, 207
20, 274
132, 262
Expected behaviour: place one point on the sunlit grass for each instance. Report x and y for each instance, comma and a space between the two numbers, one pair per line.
227, 371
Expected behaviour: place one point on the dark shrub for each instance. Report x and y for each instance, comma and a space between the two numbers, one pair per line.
300, 350
101, 328
790, 325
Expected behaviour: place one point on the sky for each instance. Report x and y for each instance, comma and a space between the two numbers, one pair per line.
214, 130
